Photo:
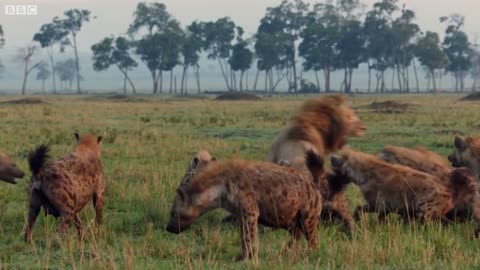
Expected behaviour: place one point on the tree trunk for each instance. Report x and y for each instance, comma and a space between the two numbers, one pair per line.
182, 84
43, 85
416, 75
350, 75
224, 74
155, 81
171, 82
77, 63
294, 66
242, 72
256, 81
474, 85
197, 77
399, 75
124, 84
433, 81
52, 65
160, 75
25, 75
318, 80
369, 76
326, 72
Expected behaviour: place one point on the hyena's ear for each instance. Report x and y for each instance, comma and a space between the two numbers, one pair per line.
336, 162
99, 139
194, 163
459, 143
77, 136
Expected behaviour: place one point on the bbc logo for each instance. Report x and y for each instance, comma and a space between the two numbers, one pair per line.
21, 9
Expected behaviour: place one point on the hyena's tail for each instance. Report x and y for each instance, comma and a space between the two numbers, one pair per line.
37, 158
315, 165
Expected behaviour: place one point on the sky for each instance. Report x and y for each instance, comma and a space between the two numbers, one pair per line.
114, 16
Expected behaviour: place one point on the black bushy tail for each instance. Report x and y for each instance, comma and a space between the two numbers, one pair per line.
337, 182
37, 158
314, 164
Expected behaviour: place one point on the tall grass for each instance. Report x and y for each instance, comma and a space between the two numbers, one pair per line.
146, 148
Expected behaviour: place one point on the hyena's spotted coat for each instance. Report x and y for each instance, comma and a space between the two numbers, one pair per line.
389, 188
255, 192
64, 186
459, 181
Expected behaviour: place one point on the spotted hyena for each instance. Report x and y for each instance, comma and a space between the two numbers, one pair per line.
9, 172
64, 186
255, 192
389, 188
466, 153
459, 181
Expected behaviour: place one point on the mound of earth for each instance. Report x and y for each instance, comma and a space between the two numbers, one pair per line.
389, 106
24, 101
238, 96
116, 97
472, 97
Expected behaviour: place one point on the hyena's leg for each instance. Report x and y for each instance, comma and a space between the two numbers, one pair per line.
310, 221
98, 204
65, 220
476, 213
35, 205
363, 209
78, 224
345, 217
249, 213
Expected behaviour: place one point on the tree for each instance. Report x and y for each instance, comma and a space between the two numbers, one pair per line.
159, 48
267, 49
49, 35
114, 51
241, 59
191, 48
43, 73
2, 42
24, 55
287, 21
431, 55
457, 48
379, 37
218, 43
319, 40
66, 72
72, 23
475, 60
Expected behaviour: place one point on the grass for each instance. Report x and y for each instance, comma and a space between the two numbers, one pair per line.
146, 148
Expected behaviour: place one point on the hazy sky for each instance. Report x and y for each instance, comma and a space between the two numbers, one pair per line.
114, 16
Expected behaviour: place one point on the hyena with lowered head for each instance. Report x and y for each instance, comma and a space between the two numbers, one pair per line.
466, 153
9, 172
255, 192
199, 160
389, 188
64, 186
459, 181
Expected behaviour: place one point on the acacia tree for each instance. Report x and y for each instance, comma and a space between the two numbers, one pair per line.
267, 49
72, 24
379, 38
114, 51
49, 35
66, 72
431, 55
240, 60
191, 48
157, 47
475, 60
2, 42
457, 48
319, 41
24, 55
43, 73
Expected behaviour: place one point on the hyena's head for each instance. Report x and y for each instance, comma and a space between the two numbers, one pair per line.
350, 165
198, 162
88, 144
184, 211
466, 153
9, 172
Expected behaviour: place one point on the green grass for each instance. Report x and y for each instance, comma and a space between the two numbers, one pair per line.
146, 148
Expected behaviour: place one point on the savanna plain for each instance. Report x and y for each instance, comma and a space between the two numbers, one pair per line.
147, 144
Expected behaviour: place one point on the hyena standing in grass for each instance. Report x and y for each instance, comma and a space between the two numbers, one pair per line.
389, 188
201, 159
255, 192
9, 172
466, 153
459, 181
64, 186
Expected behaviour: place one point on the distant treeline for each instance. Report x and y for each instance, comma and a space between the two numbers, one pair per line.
292, 39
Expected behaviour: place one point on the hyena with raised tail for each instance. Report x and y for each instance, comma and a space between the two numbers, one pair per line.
64, 186
254, 192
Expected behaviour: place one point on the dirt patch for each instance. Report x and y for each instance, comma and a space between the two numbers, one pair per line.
238, 96
472, 97
390, 106
24, 101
